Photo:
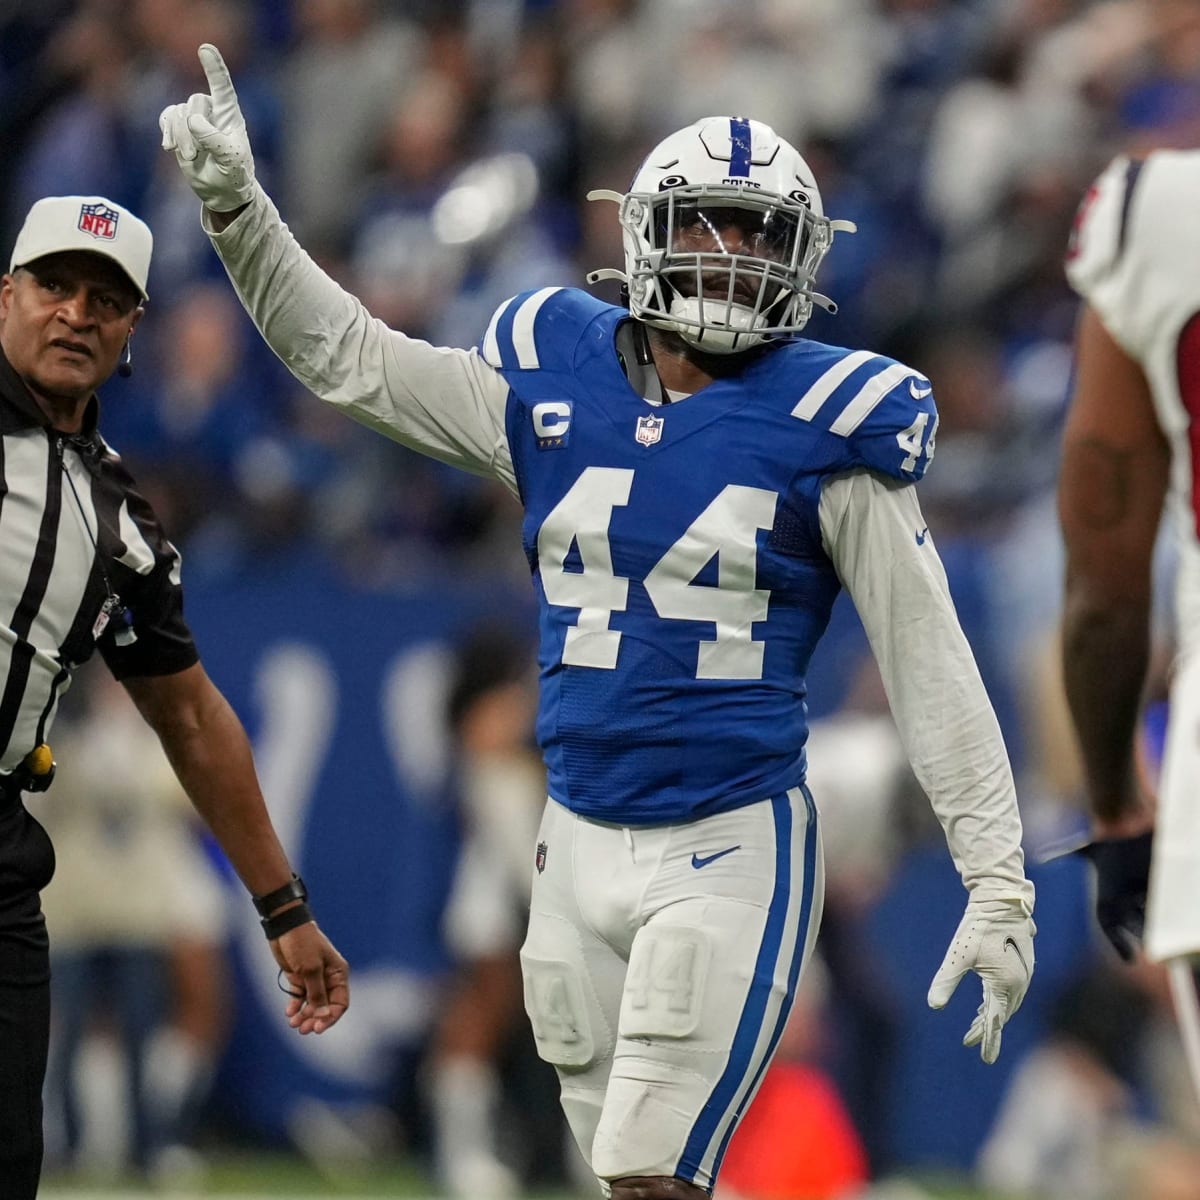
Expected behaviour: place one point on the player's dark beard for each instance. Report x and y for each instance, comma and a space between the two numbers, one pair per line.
718, 366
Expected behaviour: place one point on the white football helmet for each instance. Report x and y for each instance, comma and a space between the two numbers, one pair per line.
723, 232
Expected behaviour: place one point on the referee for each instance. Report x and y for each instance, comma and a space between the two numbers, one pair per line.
85, 566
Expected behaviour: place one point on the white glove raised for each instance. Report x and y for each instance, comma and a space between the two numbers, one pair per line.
995, 940
208, 136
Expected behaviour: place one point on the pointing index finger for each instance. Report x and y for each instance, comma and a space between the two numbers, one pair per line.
220, 85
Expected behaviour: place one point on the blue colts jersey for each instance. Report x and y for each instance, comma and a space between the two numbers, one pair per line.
677, 555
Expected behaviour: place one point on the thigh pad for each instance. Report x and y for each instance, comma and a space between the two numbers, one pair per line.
664, 989
557, 1001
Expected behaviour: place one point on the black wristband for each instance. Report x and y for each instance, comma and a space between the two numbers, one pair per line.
289, 919
294, 889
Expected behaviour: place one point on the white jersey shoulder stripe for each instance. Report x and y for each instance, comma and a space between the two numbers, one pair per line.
522, 330
491, 346
827, 384
868, 398
524, 346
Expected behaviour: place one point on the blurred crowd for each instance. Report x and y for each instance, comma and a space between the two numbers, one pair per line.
433, 155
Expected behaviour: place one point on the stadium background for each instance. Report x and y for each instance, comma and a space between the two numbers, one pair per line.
434, 156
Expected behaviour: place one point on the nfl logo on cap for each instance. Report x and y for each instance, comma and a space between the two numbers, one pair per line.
99, 220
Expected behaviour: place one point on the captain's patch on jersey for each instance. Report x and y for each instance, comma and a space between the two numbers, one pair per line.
551, 423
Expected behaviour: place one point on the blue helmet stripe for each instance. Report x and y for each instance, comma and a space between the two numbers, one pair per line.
739, 147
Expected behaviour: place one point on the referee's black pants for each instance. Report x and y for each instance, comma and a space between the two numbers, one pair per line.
26, 866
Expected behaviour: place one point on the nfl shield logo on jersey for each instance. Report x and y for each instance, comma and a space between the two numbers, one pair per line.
99, 220
539, 859
649, 430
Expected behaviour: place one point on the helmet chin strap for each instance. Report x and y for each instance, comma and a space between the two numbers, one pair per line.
698, 327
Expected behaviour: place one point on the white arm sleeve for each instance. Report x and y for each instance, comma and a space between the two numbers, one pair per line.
444, 402
870, 526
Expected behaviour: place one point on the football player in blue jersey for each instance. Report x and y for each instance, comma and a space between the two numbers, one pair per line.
699, 482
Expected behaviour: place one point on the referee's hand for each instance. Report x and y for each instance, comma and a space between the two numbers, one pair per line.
317, 975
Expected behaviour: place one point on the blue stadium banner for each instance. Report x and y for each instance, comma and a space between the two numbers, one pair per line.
342, 691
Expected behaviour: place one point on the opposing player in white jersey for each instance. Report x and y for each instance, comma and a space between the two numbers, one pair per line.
699, 482
1132, 451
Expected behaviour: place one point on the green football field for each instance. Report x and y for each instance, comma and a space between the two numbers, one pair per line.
265, 1177
260, 1177
250, 1177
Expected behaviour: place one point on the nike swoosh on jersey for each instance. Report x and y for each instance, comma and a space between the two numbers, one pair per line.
917, 392
922, 536
698, 861
1008, 941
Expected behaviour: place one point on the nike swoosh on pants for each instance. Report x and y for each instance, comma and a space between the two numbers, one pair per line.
698, 861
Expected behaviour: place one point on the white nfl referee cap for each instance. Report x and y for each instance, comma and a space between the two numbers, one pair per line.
92, 223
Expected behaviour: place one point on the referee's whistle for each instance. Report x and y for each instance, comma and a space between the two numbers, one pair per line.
40, 760
40, 765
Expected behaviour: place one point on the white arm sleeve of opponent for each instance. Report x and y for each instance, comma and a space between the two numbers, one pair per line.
871, 526
444, 402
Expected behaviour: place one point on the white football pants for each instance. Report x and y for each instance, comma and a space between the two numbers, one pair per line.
660, 968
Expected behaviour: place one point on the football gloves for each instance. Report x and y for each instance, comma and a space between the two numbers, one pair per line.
1122, 879
995, 940
208, 136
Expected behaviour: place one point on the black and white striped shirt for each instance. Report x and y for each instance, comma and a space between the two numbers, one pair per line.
84, 565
